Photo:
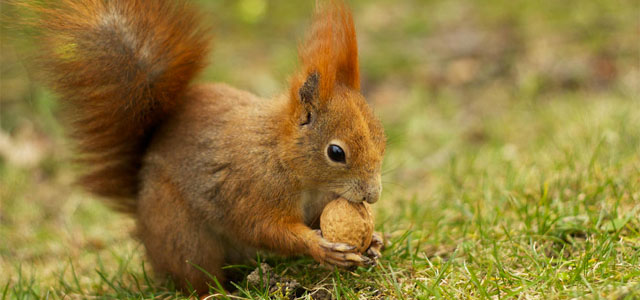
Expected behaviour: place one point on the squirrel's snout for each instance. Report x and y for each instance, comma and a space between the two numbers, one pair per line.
363, 191
372, 196
371, 191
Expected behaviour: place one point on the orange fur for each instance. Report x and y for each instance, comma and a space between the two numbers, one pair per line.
211, 173
120, 66
331, 50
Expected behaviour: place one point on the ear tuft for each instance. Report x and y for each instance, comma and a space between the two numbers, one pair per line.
330, 50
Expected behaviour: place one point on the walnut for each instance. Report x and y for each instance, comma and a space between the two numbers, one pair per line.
347, 222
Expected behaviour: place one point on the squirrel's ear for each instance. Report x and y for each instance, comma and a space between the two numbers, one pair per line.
308, 93
331, 50
309, 90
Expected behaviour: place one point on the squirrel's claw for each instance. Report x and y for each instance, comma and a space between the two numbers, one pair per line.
377, 244
338, 247
338, 254
342, 255
347, 260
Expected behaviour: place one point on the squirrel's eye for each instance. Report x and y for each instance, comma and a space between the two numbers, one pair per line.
336, 153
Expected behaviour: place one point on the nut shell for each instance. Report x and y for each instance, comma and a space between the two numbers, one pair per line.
346, 222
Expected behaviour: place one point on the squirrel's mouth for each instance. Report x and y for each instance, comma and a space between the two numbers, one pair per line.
356, 194
349, 196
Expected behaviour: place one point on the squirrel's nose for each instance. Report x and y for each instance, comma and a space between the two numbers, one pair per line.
372, 196
373, 190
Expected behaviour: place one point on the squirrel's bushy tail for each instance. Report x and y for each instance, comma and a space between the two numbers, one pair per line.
120, 66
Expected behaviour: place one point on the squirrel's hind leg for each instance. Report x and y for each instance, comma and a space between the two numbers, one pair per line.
176, 241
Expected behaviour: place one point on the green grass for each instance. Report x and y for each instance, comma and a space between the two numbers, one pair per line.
512, 170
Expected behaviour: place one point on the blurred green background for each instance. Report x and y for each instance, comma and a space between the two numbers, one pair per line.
512, 123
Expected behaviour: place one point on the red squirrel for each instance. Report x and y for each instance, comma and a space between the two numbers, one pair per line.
211, 173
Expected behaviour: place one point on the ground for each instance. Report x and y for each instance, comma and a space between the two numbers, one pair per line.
512, 170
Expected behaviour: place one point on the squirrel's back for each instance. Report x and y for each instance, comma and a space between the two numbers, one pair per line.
121, 66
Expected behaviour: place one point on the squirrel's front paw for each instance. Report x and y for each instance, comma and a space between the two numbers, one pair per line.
377, 244
337, 254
